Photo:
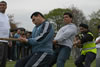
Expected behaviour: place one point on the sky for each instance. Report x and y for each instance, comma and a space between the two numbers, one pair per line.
22, 9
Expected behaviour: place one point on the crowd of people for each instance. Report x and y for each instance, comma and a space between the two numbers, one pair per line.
16, 49
42, 48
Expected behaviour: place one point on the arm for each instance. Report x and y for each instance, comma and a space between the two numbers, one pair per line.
77, 41
98, 41
70, 31
86, 38
46, 34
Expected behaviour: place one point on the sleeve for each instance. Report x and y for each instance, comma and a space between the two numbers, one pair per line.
70, 31
86, 38
46, 33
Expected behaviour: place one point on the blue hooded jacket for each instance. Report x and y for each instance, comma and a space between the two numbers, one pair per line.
42, 37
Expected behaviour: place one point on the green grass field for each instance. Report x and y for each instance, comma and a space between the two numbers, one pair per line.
69, 63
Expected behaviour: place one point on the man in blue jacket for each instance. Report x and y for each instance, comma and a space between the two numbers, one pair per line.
41, 41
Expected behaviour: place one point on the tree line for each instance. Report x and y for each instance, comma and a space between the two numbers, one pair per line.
55, 16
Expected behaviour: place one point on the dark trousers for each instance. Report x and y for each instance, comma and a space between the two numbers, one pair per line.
9, 53
19, 52
88, 59
39, 59
13, 52
3, 54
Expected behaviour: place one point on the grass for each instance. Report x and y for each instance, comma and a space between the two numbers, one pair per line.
10, 63
69, 63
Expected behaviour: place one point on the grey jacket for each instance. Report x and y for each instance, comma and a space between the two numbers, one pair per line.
66, 34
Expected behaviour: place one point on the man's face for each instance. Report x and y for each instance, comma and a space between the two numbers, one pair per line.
82, 29
36, 20
67, 19
3, 7
18, 31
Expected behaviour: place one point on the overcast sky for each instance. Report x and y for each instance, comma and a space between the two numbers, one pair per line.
22, 9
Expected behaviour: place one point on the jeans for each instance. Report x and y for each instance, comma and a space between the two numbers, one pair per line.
61, 54
98, 58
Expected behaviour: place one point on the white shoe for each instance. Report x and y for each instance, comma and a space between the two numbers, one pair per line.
10, 60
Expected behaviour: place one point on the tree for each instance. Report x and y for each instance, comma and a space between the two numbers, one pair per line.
56, 16
78, 16
94, 22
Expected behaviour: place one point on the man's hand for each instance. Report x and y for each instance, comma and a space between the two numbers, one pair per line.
21, 39
54, 42
77, 43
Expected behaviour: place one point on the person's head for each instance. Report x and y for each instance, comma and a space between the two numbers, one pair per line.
22, 31
37, 18
3, 6
83, 27
68, 17
18, 31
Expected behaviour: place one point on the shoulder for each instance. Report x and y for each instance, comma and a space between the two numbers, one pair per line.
46, 24
71, 26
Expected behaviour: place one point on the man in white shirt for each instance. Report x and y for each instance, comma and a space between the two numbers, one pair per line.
4, 33
64, 39
98, 49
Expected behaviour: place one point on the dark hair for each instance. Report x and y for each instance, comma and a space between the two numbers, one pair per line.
69, 14
21, 29
98, 26
3, 2
36, 14
83, 25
